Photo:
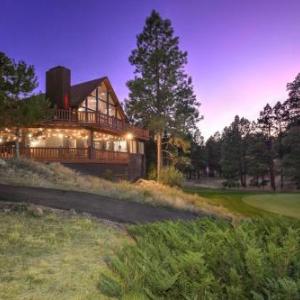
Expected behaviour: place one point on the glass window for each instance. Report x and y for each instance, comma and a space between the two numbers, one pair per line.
141, 148
103, 107
120, 146
91, 103
132, 147
112, 111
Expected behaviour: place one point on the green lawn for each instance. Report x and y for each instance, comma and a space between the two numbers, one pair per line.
238, 201
283, 204
53, 256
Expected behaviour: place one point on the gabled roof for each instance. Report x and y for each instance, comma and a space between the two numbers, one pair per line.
82, 90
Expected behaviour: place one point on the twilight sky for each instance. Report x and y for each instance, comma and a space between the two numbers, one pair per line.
241, 53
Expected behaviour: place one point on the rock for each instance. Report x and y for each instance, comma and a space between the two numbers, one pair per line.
36, 211
2, 163
73, 211
87, 215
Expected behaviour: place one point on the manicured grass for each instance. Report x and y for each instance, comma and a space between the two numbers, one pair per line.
233, 200
283, 204
53, 256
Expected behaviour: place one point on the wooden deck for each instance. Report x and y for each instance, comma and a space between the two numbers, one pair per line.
100, 121
66, 155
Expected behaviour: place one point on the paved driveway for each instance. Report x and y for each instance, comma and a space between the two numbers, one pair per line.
98, 206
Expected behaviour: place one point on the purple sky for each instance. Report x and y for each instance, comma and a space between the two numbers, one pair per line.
241, 53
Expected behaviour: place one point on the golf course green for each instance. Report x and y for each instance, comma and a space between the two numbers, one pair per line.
283, 204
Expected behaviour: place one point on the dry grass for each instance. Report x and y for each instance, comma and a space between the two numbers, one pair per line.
54, 256
55, 175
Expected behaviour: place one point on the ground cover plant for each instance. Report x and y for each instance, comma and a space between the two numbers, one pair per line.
54, 255
32, 173
208, 259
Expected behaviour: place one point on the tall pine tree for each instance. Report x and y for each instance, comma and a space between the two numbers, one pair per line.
161, 94
18, 107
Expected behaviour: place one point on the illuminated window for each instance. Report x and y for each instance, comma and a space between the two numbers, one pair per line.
141, 148
132, 147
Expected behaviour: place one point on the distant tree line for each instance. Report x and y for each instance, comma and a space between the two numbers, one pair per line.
260, 151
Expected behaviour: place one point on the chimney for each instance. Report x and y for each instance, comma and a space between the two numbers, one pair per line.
58, 86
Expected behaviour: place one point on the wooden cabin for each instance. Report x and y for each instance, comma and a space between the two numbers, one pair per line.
89, 130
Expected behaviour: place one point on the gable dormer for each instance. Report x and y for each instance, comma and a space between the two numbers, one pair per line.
102, 99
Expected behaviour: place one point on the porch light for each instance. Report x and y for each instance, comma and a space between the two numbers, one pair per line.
129, 136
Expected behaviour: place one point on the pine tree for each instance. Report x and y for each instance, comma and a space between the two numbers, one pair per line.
293, 102
266, 124
161, 94
213, 154
234, 150
17, 107
291, 159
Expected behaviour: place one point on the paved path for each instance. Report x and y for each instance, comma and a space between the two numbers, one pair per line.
98, 206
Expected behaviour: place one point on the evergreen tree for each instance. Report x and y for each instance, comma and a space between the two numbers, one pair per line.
280, 126
258, 157
291, 159
17, 109
266, 124
161, 94
293, 102
213, 154
234, 150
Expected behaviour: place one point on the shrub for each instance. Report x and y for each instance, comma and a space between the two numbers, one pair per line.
171, 176
208, 259
231, 184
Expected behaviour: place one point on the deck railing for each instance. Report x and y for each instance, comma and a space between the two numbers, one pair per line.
100, 120
65, 154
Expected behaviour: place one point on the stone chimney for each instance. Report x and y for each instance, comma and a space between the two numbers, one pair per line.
58, 86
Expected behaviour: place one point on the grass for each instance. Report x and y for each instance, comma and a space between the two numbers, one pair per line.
30, 173
53, 256
282, 204
233, 200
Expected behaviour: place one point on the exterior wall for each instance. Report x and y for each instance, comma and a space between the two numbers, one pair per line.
136, 166
116, 171
132, 171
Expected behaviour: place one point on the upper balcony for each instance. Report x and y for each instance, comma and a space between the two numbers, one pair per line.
99, 121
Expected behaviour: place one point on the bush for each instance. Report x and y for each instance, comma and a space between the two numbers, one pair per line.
206, 259
231, 184
171, 176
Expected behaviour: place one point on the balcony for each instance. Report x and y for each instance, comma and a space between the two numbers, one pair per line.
66, 155
99, 121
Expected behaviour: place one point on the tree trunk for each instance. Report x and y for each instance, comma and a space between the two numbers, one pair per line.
18, 135
272, 176
281, 178
159, 155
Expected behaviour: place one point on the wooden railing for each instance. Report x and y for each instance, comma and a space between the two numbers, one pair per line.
100, 120
65, 154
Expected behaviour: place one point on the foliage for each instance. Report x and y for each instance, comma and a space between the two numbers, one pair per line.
161, 95
17, 81
208, 259
42, 257
291, 159
234, 148
171, 176
231, 183
293, 102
